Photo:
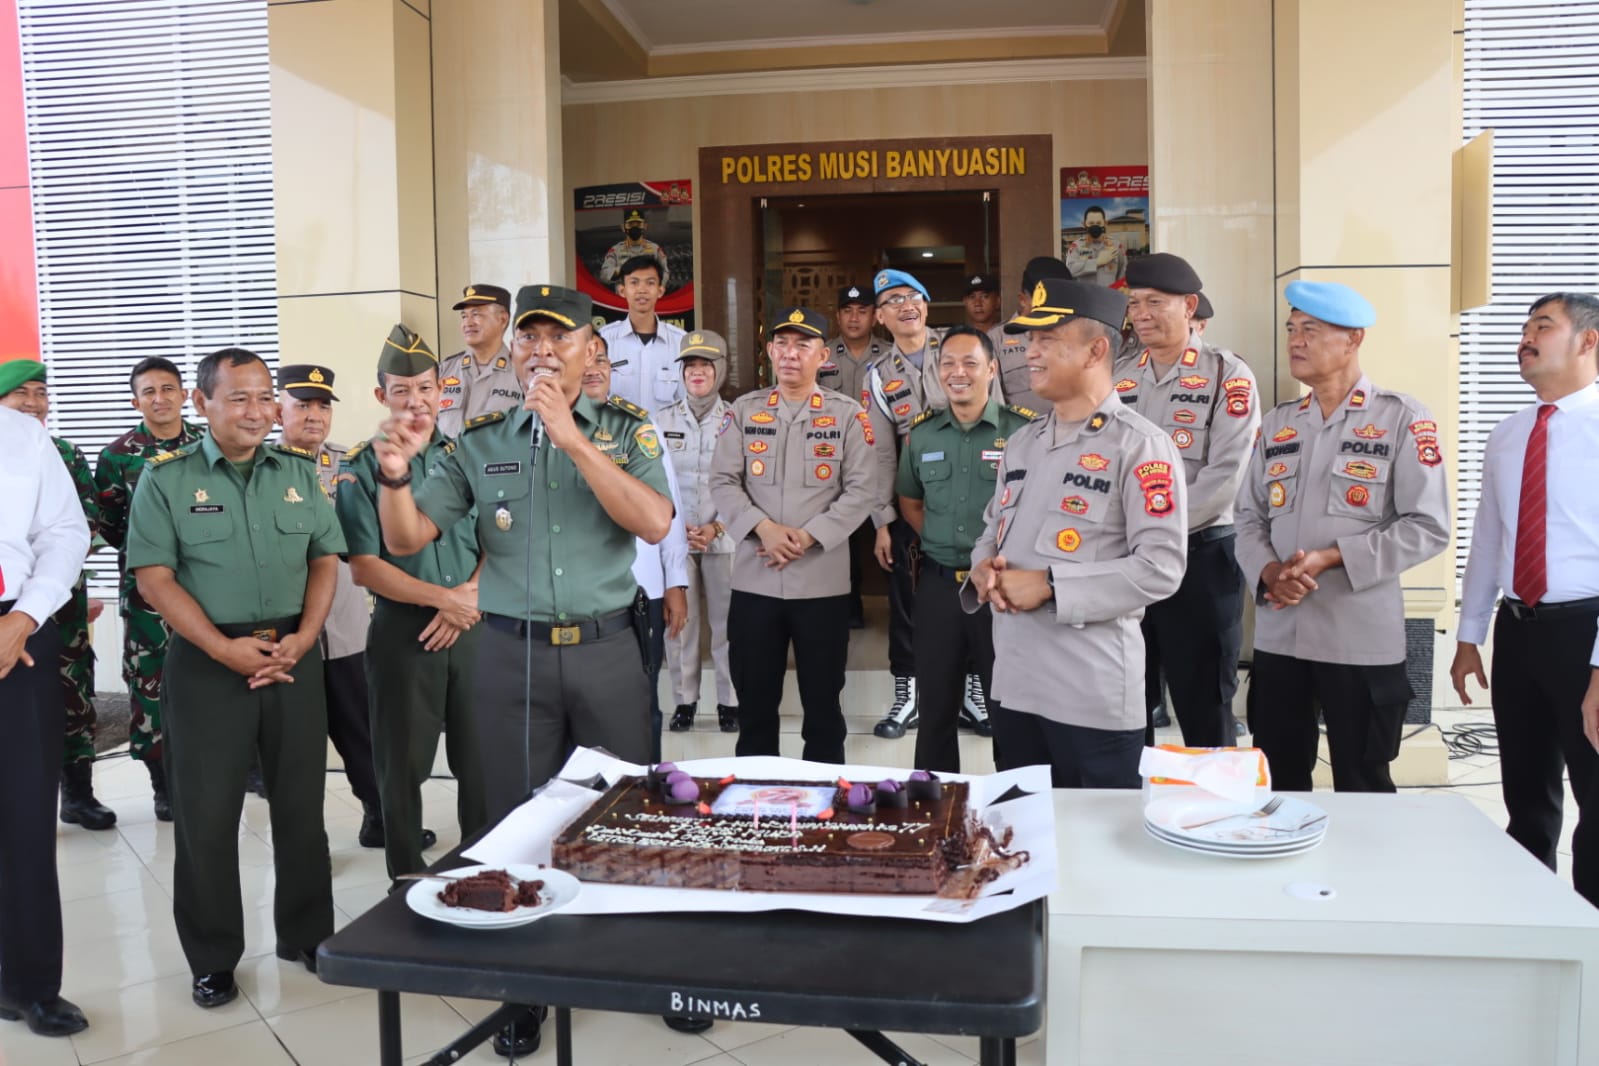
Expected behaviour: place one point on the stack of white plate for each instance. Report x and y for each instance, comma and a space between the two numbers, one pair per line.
560, 888
1211, 826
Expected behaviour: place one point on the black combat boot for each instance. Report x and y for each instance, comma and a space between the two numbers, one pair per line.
158, 785
78, 805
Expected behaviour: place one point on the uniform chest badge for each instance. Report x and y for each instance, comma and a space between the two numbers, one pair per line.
757, 467
502, 518
1185, 416
1277, 470
757, 446
1073, 505
763, 417
1193, 382
293, 496
1370, 432
1093, 461
823, 471
1155, 479
451, 382
603, 434
902, 410
1068, 540
1358, 495
1277, 493
892, 386
1361, 469
1126, 385
201, 496
824, 422
1286, 433
1183, 438
823, 451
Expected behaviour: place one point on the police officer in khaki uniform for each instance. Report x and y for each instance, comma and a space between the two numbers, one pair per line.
424, 631
853, 350
791, 477
1345, 491
946, 478
234, 542
1085, 531
1010, 349
1205, 399
981, 300
478, 379
305, 411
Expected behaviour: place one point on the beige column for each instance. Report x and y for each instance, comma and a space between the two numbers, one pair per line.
499, 187
1368, 96
352, 133
1210, 152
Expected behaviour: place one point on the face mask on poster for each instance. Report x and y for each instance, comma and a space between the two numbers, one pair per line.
1096, 232
634, 232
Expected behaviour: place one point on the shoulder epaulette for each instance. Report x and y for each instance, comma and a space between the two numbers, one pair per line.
630, 407
349, 456
1017, 409
923, 417
482, 420
292, 450
167, 457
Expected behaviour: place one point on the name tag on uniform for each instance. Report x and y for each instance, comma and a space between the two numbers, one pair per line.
206, 508
993, 455
617, 364
672, 435
932, 457
490, 469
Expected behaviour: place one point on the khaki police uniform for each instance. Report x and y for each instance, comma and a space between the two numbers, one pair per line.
842, 372
537, 518
242, 550
1015, 384
806, 465
952, 469
1207, 402
1082, 259
1370, 479
617, 255
470, 386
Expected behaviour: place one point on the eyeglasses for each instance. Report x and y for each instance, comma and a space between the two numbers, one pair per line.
900, 298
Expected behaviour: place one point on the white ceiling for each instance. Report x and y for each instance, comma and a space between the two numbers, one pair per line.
675, 27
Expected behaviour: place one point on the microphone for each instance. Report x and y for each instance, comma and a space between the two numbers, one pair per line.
535, 422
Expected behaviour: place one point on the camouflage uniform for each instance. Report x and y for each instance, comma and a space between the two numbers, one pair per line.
144, 635
77, 654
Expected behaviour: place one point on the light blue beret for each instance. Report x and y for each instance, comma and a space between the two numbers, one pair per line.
893, 279
1334, 304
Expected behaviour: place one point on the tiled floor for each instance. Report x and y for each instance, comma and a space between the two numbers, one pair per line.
125, 968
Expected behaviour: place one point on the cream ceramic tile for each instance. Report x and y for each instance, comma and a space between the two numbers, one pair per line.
730, 1036
116, 914
150, 1015
251, 1044
18, 1047
277, 987
356, 900
118, 871
346, 1031
631, 1040
805, 1046
74, 846
122, 961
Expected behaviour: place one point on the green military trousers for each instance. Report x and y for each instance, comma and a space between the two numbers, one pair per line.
214, 723
416, 695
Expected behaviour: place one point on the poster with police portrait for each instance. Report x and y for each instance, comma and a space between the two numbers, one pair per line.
1104, 221
614, 223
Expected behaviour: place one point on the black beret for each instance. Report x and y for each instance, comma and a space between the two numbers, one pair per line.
1163, 272
1040, 267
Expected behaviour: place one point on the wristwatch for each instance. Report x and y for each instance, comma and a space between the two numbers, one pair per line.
391, 482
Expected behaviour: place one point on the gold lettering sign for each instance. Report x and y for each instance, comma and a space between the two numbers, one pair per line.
866, 164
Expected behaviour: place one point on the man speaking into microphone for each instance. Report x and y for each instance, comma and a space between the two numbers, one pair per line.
562, 485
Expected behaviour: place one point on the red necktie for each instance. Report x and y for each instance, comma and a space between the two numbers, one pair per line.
1530, 579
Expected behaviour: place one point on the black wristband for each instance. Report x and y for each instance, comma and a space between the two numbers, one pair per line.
392, 482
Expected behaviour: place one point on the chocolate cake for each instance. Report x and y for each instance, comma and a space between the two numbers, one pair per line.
771, 836
491, 890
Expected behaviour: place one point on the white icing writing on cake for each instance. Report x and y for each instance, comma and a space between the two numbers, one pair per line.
697, 835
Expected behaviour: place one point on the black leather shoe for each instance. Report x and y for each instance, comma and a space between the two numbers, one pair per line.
429, 838
682, 1023
371, 834
727, 718
215, 989
521, 1038
304, 957
46, 1017
682, 718
1238, 728
1162, 719
254, 782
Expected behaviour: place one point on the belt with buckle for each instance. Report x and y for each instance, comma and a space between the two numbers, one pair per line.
1525, 612
928, 566
559, 635
1209, 533
271, 629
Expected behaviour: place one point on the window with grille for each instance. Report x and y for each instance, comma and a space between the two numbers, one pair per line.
150, 162
1532, 76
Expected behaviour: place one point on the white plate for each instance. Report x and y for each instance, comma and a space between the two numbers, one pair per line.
560, 888
1253, 849
1296, 849
1181, 817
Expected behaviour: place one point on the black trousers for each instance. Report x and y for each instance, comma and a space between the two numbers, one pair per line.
947, 639
657, 614
530, 717
902, 600
1363, 707
1193, 637
214, 725
344, 686
1077, 756
760, 630
30, 895
415, 696
1540, 675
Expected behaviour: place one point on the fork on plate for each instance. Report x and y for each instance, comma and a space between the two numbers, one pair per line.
1266, 811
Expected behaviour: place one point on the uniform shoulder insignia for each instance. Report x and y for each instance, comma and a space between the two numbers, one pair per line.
167, 457
355, 450
923, 417
483, 420
292, 450
449, 447
629, 406
1026, 412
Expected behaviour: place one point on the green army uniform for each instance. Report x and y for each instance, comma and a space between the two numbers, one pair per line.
77, 655
951, 468
144, 635
242, 548
543, 522
415, 694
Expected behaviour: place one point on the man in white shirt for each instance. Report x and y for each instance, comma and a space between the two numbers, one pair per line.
643, 348
1535, 539
43, 541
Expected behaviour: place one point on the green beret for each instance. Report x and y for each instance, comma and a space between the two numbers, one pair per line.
406, 354
20, 371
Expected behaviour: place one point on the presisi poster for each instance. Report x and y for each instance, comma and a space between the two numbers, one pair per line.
661, 213
1115, 198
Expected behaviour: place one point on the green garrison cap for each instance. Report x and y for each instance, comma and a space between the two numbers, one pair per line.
20, 371
406, 354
